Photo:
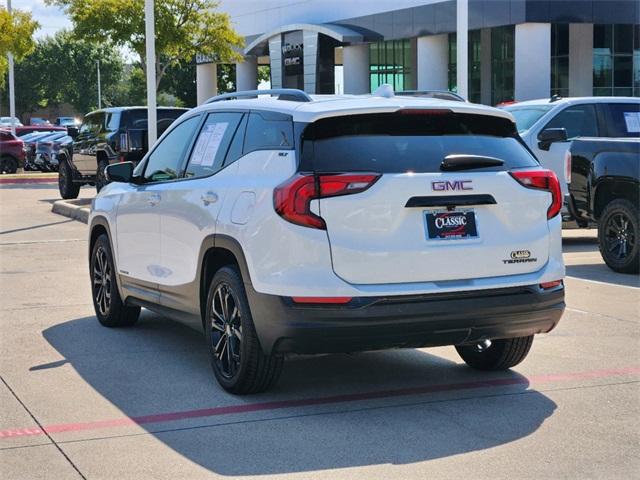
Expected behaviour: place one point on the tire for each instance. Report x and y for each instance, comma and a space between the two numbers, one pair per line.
101, 179
238, 362
497, 355
618, 236
110, 309
68, 189
8, 165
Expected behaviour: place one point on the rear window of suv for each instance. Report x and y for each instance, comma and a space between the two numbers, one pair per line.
401, 143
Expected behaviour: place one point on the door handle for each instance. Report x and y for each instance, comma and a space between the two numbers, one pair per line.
154, 199
209, 197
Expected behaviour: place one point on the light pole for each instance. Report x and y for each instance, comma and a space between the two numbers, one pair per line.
12, 92
151, 72
99, 94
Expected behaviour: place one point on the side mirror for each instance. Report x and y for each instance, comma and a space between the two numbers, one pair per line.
119, 172
551, 135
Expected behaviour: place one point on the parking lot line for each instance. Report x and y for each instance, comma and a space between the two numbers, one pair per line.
238, 409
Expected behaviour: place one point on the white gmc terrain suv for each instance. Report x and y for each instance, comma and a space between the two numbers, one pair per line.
283, 223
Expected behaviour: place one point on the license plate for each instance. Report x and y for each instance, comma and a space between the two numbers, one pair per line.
450, 225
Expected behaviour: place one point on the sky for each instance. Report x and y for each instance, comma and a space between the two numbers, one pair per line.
51, 19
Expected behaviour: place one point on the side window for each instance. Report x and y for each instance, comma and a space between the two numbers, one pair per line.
212, 144
579, 120
269, 131
112, 122
624, 119
86, 124
235, 150
5, 137
164, 162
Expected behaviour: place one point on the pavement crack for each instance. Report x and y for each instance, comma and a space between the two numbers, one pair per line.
42, 428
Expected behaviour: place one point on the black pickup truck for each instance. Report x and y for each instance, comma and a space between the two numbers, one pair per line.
106, 136
605, 188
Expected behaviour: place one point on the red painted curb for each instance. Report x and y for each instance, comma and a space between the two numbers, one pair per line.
29, 180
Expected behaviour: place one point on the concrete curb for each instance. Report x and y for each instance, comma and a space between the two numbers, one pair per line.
74, 209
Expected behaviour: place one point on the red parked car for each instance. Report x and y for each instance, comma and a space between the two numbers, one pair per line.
11, 153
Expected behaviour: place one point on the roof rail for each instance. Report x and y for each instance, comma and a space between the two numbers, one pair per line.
290, 94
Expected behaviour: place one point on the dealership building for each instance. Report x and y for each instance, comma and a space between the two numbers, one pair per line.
514, 50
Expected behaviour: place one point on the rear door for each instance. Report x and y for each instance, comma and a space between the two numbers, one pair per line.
422, 222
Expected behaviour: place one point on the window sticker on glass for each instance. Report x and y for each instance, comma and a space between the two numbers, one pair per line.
208, 144
632, 119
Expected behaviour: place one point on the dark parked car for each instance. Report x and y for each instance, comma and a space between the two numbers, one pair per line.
67, 122
38, 121
108, 136
11, 152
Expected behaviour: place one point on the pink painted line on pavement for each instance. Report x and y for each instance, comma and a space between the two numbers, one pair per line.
307, 402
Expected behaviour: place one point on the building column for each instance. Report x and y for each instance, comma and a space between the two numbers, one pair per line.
275, 59
580, 59
310, 61
207, 81
433, 62
356, 64
247, 74
485, 66
532, 61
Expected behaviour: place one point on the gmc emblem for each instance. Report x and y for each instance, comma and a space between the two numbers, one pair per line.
457, 185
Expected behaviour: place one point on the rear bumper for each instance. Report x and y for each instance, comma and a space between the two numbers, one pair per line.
403, 322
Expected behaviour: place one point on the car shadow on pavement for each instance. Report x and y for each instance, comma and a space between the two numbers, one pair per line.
388, 407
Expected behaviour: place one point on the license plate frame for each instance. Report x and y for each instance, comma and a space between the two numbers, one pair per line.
448, 225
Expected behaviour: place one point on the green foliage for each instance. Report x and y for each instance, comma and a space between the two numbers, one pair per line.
180, 80
16, 37
62, 69
183, 28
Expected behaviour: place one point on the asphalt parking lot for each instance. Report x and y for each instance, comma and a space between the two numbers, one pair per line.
82, 401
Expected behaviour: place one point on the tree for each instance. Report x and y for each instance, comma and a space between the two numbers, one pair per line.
183, 28
16, 37
64, 70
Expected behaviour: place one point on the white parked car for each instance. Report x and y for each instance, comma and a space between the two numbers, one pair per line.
296, 224
548, 125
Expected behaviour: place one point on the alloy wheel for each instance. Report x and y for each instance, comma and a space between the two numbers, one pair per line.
226, 330
102, 281
620, 236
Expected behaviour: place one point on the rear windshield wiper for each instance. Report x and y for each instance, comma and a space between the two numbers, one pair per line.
469, 162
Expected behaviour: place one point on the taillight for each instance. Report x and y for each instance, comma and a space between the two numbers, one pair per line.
124, 144
292, 199
543, 180
567, 166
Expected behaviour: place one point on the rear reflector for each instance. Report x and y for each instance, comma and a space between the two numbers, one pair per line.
550, 285
322, 300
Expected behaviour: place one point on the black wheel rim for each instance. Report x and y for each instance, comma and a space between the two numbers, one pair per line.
102, 281
226, 330
620, 236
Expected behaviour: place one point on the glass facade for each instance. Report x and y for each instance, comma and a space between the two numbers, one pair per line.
560, 60
616, 60
502, 64
391, 63
475, 63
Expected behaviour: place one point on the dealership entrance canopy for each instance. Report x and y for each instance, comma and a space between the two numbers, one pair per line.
511, 50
